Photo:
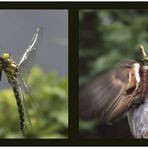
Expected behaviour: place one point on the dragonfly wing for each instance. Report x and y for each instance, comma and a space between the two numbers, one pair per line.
28, 58
26, 110
105, 96
27, 91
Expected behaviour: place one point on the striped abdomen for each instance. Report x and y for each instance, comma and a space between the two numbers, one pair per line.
19, 104
10, 69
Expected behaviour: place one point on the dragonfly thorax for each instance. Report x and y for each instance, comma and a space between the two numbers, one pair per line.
8, 66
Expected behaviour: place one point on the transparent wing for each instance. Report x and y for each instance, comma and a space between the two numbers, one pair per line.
27, 91
32, 99
26, 109
28, 58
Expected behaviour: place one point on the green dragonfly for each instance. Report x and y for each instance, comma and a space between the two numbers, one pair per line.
18, 73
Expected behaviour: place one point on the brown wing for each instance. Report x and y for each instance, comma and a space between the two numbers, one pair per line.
105, 96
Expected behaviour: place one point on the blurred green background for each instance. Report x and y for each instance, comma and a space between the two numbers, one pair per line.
50, 94
106, 37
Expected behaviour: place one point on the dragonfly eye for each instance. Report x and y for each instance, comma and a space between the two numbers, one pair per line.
5, 56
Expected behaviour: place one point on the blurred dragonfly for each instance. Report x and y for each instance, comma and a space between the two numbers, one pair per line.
18, 74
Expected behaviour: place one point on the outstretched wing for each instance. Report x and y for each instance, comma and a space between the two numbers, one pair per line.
28, 58
105, 96
25, 108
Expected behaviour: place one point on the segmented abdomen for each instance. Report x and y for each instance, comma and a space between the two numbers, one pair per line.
19, 104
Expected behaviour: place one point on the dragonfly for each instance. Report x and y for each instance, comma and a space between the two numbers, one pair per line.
122, 90
18, 73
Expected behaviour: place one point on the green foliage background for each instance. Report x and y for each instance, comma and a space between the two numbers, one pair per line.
106, 37
50, 94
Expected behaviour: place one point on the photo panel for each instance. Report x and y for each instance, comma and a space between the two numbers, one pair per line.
34, 73
113, 73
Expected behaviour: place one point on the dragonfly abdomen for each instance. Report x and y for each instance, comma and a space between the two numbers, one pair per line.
19, 104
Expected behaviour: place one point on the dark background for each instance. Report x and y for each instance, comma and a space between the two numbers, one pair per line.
106, 37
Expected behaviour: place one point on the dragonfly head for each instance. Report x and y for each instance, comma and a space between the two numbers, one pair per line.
5, 56
144, 55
